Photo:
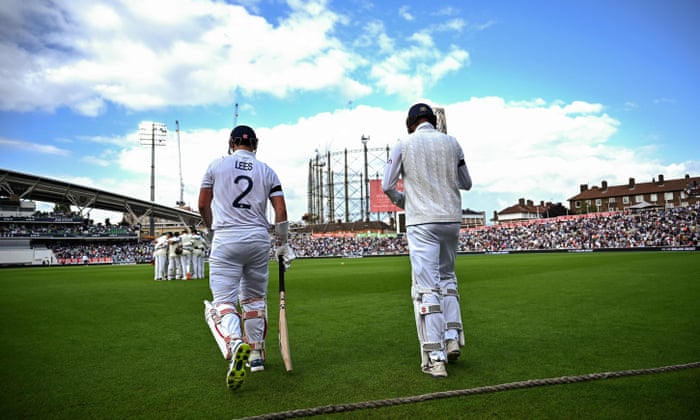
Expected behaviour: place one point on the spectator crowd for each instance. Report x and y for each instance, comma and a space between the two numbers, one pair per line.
57, 230
676, 227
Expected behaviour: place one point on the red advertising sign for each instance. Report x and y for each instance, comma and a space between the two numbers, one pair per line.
378, 201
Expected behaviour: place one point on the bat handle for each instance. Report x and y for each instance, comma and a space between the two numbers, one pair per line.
282, 269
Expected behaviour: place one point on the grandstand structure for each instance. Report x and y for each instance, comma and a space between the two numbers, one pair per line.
16, 187
29, 237
26, 235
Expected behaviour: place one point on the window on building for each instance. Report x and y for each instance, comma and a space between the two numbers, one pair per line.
668, 196
577, 204
653, 198
626, 199
638, 198
611, 200
598, 202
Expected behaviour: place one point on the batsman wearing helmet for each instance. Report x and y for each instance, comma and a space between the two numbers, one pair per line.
432, 166
233, 201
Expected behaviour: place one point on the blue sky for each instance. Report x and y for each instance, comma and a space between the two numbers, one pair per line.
542, 95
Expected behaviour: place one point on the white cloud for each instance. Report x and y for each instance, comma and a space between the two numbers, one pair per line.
537, 150
453, 25
410, 71
90, 56
544, 150
405, 13
142, 56
33, 147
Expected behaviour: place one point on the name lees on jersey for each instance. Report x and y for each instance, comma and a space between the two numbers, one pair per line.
244, 166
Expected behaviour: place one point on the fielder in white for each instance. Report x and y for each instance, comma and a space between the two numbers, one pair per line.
233, 201
186, 256
199, 248
174, 260
160, 257
432, 166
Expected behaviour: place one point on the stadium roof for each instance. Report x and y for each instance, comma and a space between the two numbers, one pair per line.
17, 185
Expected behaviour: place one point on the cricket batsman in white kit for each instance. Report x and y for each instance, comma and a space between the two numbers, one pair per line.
433, 169
233, 201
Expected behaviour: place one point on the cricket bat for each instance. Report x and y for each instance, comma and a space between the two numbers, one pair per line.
283, 332
441, 119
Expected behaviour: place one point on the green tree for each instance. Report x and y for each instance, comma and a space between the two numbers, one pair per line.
61, 208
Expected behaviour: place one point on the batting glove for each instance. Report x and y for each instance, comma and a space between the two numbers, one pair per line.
287, 253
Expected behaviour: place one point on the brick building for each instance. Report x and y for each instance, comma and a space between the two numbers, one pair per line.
660, 192
523, 211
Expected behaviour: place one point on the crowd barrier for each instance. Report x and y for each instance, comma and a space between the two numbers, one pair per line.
78, 261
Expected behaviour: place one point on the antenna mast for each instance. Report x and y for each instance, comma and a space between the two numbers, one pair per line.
235, 116
180, 203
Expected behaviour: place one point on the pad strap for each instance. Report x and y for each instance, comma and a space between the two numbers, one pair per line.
257, 345
451, 292
251, 300
431, 308
454, 326
258, 313
421, 292
225, 311
432, 347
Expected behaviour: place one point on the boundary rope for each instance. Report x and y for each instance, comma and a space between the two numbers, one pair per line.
530, 383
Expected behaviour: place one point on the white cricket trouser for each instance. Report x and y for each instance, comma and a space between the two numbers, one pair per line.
238, 270
433, 248
161, 266
200, 265
174, 267
186, 259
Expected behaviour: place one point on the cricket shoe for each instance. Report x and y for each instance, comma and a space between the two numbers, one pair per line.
436, 369
256, 361
453, 351
240, 352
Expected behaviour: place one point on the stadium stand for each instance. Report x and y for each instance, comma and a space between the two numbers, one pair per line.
69, 239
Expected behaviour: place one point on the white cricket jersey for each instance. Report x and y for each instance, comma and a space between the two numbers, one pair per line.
433, 170
242, 186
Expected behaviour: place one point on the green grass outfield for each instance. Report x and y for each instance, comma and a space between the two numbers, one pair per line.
109, 342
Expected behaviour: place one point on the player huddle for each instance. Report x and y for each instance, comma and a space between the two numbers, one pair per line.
432, 166
179, 256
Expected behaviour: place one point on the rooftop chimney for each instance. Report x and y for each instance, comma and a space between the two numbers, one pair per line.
631, 184
661, 179
521, 201
604, 185
584, 187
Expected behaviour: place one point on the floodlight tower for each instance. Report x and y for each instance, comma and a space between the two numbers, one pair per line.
318, 187
155, 134
364, 140
180, 203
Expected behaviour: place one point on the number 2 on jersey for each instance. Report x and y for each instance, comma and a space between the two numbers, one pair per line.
238, 202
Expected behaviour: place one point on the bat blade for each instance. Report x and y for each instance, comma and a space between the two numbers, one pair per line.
283, 332
441, 119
